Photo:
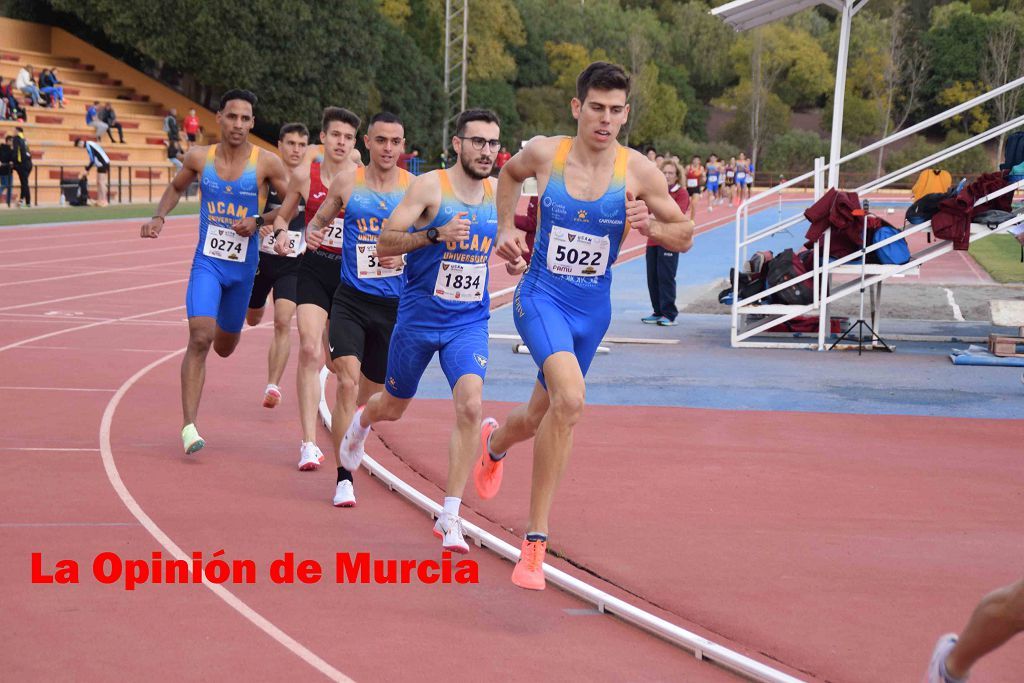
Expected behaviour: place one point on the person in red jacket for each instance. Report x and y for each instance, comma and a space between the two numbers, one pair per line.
662, 263
191, 126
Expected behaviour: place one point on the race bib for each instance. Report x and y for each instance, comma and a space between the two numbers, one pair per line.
576, 253
335, 232
461, 281
368, 265
296, 242
713, 178
729, 174
225, 244
741, 176
691, 182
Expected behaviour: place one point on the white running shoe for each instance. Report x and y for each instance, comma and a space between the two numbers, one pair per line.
271, 396
310, 457
344, 495
353, 444
942, 650
449, 529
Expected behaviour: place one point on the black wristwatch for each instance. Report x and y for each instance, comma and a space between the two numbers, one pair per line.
259, 221
432, 234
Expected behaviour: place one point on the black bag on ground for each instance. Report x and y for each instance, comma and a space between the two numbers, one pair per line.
787, 266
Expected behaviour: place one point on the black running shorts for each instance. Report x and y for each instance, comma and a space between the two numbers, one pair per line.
319, 275
277, 273
361, 326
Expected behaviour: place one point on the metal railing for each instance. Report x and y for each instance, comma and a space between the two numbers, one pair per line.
820, 273
123, 186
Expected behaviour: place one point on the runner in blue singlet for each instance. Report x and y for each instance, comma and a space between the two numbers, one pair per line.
234, 175
592, 191
447, 224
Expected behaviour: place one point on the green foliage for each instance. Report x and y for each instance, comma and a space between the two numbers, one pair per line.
500, 97
543, 110
775, 114
793, 152
656, 110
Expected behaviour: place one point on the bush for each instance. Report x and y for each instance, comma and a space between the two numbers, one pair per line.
793, 152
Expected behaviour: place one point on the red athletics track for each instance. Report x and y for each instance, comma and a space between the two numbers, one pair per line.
78, 350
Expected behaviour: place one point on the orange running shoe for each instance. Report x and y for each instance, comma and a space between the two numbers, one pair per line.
529, 571
487, 472
272, 396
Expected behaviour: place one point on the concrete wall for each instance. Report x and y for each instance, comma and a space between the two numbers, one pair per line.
24, 35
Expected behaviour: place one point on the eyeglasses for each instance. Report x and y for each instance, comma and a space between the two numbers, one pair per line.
478, 143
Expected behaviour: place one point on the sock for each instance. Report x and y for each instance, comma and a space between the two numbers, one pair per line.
948, 677
534, 536
494, 456
344, 475
358, 422
451, 506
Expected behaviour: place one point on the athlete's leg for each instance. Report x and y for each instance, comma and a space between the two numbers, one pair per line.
465, 440
254, 316
312, 321
997, 618
346, 368
521, 424
553, 442
281, 346
201, 333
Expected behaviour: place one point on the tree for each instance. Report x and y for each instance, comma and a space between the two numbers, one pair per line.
1004, 61
660, 111
974, 120
494, 26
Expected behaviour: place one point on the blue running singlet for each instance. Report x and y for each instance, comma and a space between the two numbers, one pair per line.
365, 213
224, 262
445, 306
563, 302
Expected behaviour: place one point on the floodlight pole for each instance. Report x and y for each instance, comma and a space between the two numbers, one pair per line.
839, 99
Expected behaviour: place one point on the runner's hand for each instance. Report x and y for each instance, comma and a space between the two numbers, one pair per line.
512, 246
637, 214
391, 262
316, 237
455, 230
151, 228
282, 244
516, 268
267, 229
245, 227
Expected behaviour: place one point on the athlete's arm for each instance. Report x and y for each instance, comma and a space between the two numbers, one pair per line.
297, 188
271, 168
422, 199
511, 241
671, 228
191, 167
341, 187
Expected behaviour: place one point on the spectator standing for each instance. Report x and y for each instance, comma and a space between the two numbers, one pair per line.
49, 84
109, 117
175, 155
171, 126
22, 165
191, 126
662, 263
98, 158
27, 84
502, 158
7, 168
92, 118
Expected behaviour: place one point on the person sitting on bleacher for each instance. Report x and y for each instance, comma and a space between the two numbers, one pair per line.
109, 116
27, 84
92, 118
9, 109
48, 84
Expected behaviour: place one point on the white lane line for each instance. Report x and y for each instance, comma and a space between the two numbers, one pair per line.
85, 327
92, 294
957, 313
36, 525
107, 454
702, 648
107, 255
95, 223
94, 243
94, 350
89, 273
55, 389
54, 448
